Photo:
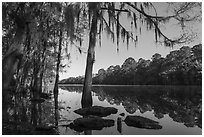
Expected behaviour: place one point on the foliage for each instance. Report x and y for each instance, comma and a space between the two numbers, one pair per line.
182, 67
33, 30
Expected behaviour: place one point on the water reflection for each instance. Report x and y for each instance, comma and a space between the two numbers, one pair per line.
182, 104
119, 125
29, 116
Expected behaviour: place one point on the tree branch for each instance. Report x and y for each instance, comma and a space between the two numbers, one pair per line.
119, 10
150, 16
155, 20
125, 30
109, 29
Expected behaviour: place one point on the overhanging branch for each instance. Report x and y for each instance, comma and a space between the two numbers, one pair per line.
119, 10
150, 16
155, 20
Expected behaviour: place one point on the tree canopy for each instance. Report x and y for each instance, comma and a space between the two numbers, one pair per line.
179, 67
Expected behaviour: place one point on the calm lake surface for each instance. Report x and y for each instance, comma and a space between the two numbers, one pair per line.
178, 109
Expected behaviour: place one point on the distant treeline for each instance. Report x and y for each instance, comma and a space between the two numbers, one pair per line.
179, 67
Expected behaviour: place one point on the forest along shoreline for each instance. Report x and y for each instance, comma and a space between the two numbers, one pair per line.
179, 67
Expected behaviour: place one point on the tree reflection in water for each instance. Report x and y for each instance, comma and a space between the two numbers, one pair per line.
86, 101
182, 104
29, 116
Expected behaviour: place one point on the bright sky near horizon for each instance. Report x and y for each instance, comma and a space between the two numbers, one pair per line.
107, 55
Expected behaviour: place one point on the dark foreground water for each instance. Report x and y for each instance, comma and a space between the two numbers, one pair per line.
178, 109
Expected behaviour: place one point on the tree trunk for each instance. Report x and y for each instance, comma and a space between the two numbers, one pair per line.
34, 113
42, 69
10, 64
56, 91
36, 79
86, 100
12, 57
39, 113
56, 98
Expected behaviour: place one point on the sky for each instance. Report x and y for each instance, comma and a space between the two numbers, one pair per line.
107, 55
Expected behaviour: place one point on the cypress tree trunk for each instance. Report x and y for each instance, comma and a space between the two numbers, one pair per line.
86, 100
35, 86
42, 68
34, 113
56, 98
56, 91
10, 64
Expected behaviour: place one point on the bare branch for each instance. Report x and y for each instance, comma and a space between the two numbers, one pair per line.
187, 6
156, 19
119, 10
125, 30
108, 27
147, 15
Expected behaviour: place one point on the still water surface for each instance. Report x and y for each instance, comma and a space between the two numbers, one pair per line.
178, 109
